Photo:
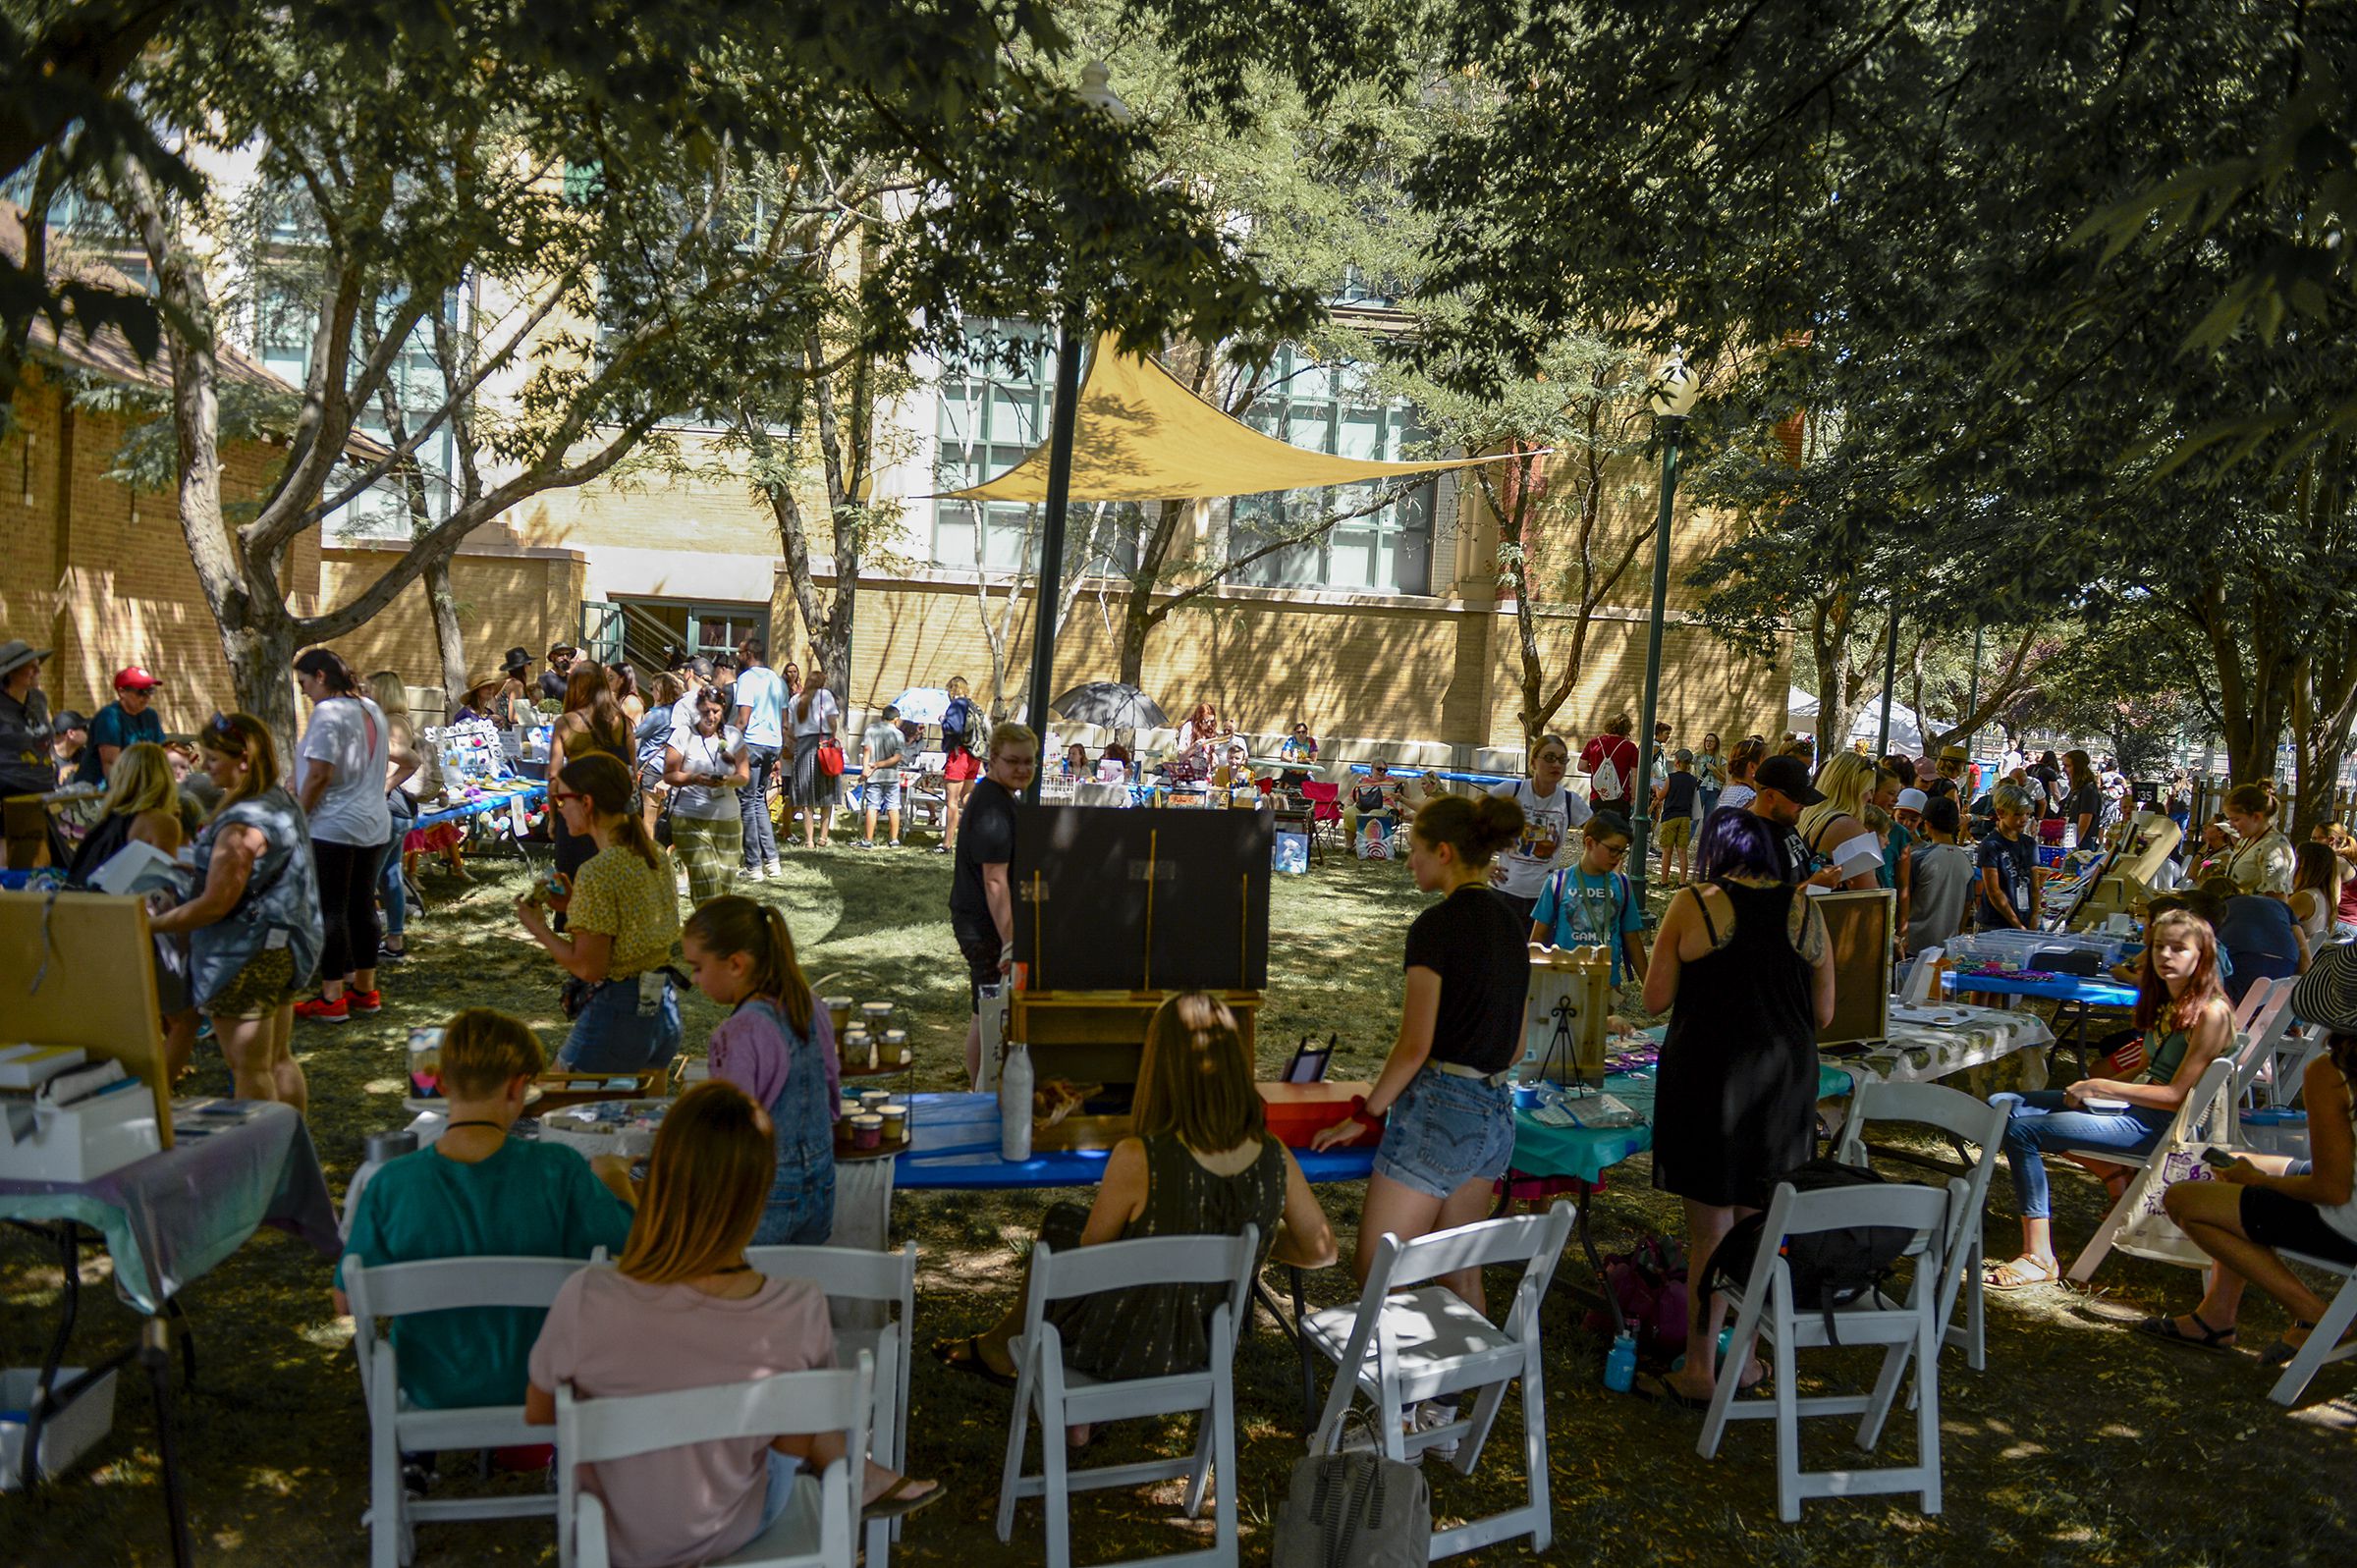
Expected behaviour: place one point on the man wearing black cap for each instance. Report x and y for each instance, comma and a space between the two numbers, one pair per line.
559, 671
1784, 790
69, 737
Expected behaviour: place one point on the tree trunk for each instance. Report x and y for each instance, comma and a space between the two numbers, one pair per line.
449, 639
261, 665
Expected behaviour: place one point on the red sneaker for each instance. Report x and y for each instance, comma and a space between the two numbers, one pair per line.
321, 1010
365, 1000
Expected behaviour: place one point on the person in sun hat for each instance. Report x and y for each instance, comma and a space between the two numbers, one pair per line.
514, 704
27, 765
127, 721
2256, 1207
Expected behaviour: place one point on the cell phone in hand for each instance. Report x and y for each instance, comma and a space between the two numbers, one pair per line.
2219, 1158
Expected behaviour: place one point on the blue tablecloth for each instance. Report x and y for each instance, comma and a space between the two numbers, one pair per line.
172, 1216
2091, 993
954, 1142
509, 789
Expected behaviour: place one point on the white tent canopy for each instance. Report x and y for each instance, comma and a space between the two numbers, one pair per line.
1906, 730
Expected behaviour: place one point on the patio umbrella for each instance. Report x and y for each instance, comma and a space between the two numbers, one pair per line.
922, 705
1111, 704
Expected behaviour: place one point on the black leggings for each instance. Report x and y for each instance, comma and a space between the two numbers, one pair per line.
347, 906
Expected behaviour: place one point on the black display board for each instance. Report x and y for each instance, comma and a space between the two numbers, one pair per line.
1113, 900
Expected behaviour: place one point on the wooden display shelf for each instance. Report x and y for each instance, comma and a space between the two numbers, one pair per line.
846, 1150
1095, 1036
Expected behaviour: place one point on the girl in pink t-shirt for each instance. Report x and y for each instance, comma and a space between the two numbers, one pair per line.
685, 1310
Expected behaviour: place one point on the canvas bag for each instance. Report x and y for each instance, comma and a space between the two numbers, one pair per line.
1605, 783
1353, 1510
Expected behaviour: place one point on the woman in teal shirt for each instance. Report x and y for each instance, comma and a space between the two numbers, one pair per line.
1591, 903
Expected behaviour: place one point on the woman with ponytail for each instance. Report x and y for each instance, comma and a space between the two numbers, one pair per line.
624, 912
2262, 861
685, 1310
779, 1047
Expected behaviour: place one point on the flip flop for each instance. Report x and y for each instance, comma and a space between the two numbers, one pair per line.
897, 1501
2207, 1338
1663, 1392
965, 1356
2015, 1274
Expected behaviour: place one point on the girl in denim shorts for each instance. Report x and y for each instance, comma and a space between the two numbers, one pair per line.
1451, 1127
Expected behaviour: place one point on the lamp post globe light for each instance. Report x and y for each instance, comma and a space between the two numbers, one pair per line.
1096, 91
1672, 393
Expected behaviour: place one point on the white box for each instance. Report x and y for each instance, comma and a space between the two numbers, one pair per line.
85, 1140
66, 1436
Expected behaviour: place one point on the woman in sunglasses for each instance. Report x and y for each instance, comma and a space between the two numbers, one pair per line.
254, 926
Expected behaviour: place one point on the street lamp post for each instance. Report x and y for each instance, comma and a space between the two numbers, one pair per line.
1673, 397
1096, 88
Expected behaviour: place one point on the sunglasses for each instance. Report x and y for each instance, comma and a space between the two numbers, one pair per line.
558, 797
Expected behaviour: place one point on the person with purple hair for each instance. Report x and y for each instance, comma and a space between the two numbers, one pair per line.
1735, 1102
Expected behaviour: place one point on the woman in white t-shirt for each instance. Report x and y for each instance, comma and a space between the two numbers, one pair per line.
341, 769
813, 714
1549, 814
705, 766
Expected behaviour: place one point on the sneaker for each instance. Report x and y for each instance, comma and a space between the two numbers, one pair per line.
390, 955
774, 870
321, 1010
365, 1000
941, 848
894, 843
864, 843
1431, 1416
752, 872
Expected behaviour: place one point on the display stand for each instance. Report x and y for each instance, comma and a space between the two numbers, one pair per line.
1859, 927
1116, 912
1564, 1021
80, 971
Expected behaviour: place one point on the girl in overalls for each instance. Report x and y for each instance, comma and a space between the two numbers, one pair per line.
779, 1046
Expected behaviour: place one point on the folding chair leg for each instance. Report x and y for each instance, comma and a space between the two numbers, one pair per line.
1976, 1312
2099, 1246
1886, 1394
1927, 1414
2327, 1333
1019, 1427
1740, 1351
1477, 1435
1534, 1457
1056, 1496
1788, 1431
1229, 1502
1205, 1444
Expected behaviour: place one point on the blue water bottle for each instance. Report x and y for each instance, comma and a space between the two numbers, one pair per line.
1621, 1364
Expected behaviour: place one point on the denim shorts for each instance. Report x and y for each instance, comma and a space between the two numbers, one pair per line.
1445, 1131
884, 794
620, 1032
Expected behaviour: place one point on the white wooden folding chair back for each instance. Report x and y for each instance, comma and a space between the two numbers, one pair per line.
815, 1531
1408, 1339
395, 1426
2207, 1116
860, 1282
1061, 1397
2259, 1041
2325, 1339
1973, 1121
1910, 1331
2255, 998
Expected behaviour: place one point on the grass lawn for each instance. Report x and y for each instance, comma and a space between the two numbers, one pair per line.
2080, 1443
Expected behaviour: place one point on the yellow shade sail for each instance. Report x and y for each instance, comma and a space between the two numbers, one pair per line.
1139, 434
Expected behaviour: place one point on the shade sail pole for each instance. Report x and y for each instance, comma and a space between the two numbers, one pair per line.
1050, 578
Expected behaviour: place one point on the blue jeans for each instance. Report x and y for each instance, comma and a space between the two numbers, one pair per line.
782, 1472
1445, 1131
1710, 802
752, 808
617, 1033
393, 890
2036, 1124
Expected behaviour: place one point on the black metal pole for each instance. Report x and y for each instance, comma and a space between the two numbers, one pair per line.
1641, 798
1051, 543
1972, 703
1882, 740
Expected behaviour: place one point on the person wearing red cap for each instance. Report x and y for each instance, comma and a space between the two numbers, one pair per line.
125, 722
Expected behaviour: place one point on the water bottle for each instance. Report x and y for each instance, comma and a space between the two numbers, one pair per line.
1014, 1104
1621, 1364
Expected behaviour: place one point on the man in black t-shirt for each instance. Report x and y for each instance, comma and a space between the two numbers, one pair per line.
982, 903
559, 673
1783, 789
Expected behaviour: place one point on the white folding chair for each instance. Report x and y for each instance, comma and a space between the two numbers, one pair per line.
2260, 1042
856, 1281
1910, 1331
1062, 1397
1976, 1123
1408, 1339
2324, 1340
2205, 1117
815, 1531
396, 1427
2255, 998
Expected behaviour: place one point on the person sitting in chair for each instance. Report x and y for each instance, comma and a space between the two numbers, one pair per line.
1376, 799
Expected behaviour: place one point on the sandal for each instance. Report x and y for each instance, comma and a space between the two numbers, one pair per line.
2021, 1273
965, 1356
897, 1501
2279, 1353
1664, 1391
2207, 1338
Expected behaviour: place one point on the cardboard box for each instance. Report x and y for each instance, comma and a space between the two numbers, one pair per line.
1298, 1112
85, 1140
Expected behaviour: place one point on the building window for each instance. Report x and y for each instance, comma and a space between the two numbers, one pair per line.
991, 415
1330, 409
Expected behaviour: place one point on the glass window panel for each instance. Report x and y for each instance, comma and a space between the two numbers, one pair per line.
1362, 433
1350, 558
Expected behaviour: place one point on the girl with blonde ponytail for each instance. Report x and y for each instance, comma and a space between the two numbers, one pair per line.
779, 1047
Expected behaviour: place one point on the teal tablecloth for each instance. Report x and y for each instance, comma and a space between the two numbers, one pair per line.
1587, 1153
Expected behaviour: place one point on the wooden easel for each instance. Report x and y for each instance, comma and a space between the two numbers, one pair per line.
79, 969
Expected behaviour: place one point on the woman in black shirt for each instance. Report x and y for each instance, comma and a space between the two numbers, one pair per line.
2083, 807
1452, 1127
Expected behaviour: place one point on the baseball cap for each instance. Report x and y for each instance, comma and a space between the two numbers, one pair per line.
131, 678
1912, 800
67, 720
1787, 776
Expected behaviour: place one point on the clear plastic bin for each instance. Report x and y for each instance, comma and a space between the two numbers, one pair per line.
66, 1436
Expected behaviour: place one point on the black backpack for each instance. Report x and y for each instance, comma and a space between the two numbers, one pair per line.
1828, 1267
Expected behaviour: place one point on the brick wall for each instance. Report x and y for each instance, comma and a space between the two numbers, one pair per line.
103, 575
506, 596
